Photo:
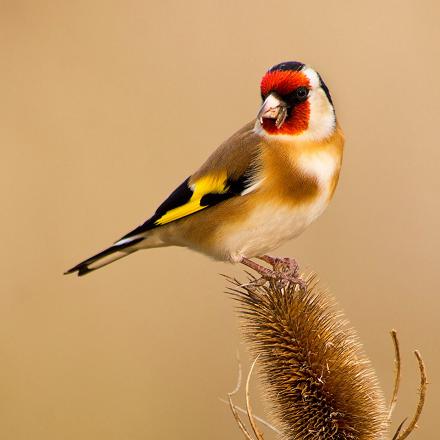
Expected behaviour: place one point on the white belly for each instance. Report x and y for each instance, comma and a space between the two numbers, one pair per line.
268, 227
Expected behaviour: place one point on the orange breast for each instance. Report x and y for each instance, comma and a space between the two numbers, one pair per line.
300, 173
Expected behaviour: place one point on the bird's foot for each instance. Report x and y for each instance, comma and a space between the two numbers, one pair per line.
285, 265
284, 271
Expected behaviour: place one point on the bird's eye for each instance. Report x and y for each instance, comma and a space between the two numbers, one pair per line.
301, 93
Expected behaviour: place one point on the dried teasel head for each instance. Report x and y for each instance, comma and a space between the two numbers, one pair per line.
317, 378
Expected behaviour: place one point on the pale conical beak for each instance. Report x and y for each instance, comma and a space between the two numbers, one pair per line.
273, 108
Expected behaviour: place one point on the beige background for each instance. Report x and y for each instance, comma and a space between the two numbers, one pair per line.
105, 107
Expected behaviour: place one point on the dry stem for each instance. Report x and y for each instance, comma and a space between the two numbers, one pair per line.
422, 396
397, 373
257, 433
252, 417
258, 419
237, 418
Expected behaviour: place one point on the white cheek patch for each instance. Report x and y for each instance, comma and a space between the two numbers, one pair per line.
322, 120
312, 77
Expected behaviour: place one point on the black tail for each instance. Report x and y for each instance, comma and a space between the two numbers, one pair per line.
105, 257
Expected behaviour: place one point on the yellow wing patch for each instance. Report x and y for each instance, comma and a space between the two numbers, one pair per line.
214, 184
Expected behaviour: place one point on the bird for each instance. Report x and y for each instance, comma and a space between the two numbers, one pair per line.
260, 188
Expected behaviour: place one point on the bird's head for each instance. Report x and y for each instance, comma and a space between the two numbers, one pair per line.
296, 102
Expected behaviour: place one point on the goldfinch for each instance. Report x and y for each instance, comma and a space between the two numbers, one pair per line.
261, 187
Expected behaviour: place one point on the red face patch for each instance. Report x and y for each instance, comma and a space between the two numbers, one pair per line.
284, 82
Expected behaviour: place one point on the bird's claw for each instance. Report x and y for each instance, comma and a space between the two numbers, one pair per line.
285, 272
